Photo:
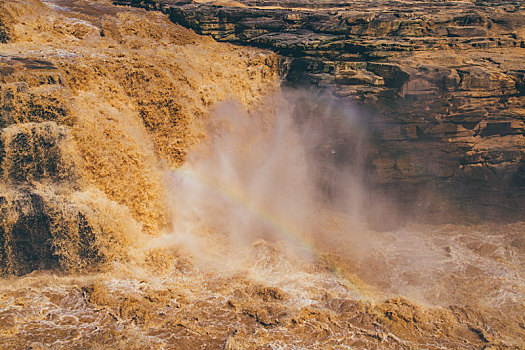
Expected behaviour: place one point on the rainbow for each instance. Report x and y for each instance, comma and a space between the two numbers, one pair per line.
290, 231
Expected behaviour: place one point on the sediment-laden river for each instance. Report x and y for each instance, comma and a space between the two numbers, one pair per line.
161, 190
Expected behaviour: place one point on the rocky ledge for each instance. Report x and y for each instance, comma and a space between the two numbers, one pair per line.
445, 82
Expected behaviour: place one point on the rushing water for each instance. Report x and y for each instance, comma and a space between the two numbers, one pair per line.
187, 201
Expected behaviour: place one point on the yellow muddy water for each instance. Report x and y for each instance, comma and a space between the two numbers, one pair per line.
180, 200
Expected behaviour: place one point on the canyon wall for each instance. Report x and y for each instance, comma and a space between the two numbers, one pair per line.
443, 84
149, 198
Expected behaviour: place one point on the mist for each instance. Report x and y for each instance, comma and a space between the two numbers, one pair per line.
291, 174
270, 173
162, 190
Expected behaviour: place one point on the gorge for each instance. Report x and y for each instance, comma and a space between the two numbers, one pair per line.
443, 80
262, 175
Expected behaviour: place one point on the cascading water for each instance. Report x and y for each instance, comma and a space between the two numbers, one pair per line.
160, 190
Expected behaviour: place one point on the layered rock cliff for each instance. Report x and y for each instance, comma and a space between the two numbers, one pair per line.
443, 81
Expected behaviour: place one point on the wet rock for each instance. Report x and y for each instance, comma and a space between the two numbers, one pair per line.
4, 35
32, 233
6, 22
46, 230
25, 235
21, 104
36, 151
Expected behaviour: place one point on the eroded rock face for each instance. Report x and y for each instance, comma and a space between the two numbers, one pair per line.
91, 97
33, 151
445, 82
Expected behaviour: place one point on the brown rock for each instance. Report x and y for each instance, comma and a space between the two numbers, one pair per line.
424, 68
